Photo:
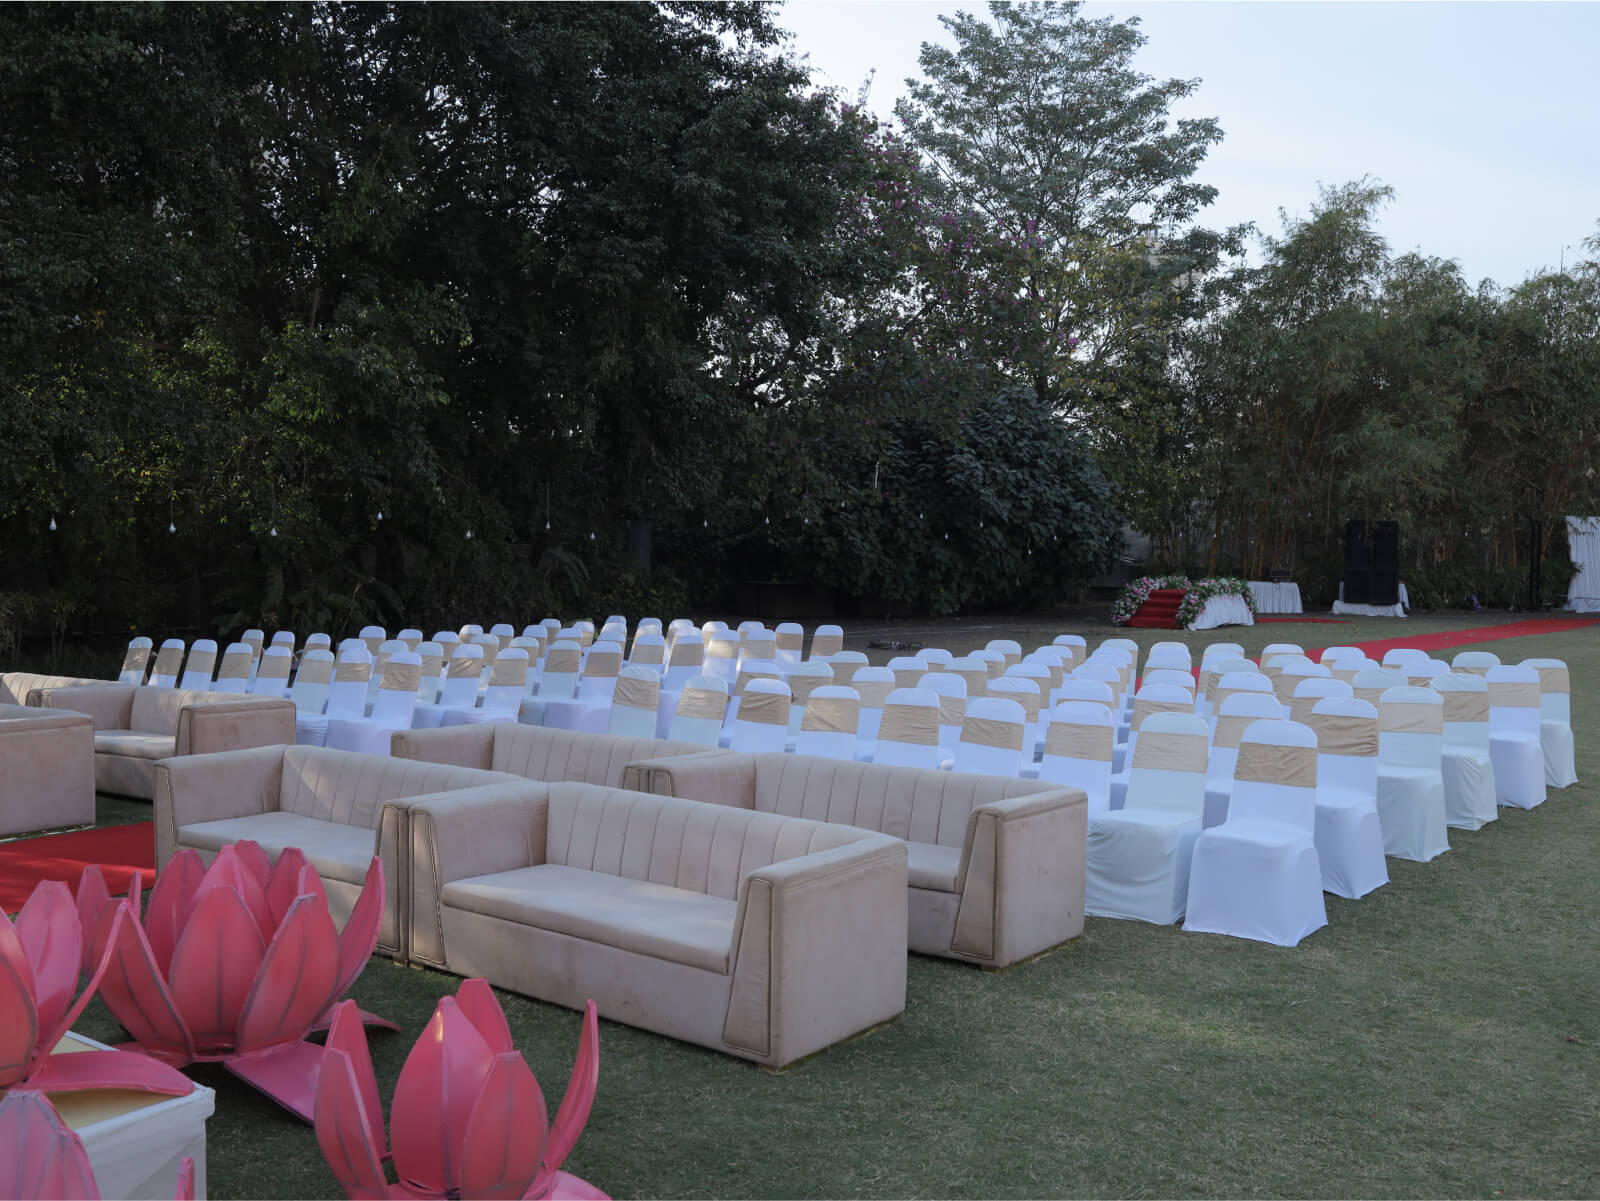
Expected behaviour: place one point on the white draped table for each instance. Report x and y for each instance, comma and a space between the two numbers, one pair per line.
1275, 596
1395, 610
1228, 610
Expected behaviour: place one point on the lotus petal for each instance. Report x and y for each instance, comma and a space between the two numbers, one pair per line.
135, 896
48, 930
360, 933
296, 980
343, 1132
213, 968
185, 1189
228, 871
13, 952
505, 1136
284, 884
94, 898
19, 1022
136, 993
171, 900
254, 858
433, 1100
108, 1069
39, 1156
564, 1186
310, 884
347, 1033
482, 1007
578, 1100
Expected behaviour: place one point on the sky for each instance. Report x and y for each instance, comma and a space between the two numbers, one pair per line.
1483, 117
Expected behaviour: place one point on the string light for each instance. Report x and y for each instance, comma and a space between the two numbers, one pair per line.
273, 531
172, 527
469, 533
52, 525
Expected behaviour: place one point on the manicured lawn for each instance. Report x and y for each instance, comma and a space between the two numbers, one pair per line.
1438, 1038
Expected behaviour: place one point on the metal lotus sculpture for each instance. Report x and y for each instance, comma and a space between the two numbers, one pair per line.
40, 960
467, 1118
41, 1158
236, 963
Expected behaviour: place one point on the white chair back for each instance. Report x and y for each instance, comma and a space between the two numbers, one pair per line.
1411, 727
1237, 714
1078, 745
804, 678
412, 637
562, 664
992, 737
1275, 776
973, 671
347, 695
234, 673
908, 735
459, 689
1309, 690
600, 668
135, 662
1347, 746
873, 686
309, 692
649, 650
1515, 703
1370, 683
396, 701
791, 641
1009, 649
831, 723
318, 641
199, 667
686, 660
908, 669
936, 657
702, 706
508, 683
372, 637
845, 664
1466, 709
272, 675
826, 641
1555, 689
951, 690
1168, 771
169, 664
761, 723
634, 703
1476, 663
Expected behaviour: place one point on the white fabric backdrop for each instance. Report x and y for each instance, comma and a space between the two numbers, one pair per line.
1583, 594
1276, 597
1395, 610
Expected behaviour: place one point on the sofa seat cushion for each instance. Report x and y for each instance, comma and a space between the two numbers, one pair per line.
658, 920
336, 851
931, 866
135, 744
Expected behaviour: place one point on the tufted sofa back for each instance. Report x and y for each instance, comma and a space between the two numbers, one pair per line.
906, 802
549, 754
684, 844
16, 685
338, 786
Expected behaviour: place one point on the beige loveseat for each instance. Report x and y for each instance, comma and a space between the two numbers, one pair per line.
536, 752
23, 687
996, 864
340, 808
761, 936
46, 769
137, 725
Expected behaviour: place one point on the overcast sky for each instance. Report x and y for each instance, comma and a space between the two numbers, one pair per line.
1484, 117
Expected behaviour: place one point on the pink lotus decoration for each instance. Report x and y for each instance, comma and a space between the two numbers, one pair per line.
40, 959
40, 1157
468, 1119
237, 963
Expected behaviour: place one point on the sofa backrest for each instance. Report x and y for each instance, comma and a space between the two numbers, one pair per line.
916, 804
351, 789
682, 844
16, 685
570, 755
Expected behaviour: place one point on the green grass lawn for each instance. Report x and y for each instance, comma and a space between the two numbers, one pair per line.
1440, 1038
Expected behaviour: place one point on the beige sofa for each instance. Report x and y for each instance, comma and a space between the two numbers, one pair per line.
761, 936
137, 725
996, 865
46, 769
538, 753
23, 687
340, 808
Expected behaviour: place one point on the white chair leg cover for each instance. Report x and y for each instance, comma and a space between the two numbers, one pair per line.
1219, 791
1469, 802
1256, 880
1137, 865
360, 734
1560, 759
1519, 769
311, 729
427, 717
1349, 842
1411, 812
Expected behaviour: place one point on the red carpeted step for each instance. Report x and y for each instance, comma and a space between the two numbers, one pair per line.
1159, 611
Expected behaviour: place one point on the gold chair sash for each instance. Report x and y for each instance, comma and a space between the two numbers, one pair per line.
202, 663
1070, 740
746, 675
634, 692
1513, 694
651, 654
989, 731
789, 641
977, 680
832, 715
874, 693
1465, 706
235, 666
1231, 727
703, 702
273, 667
952, 710
602, 665
917, 725
462, 666
766, 708
688, 654
823, 645
346, 671
1345, 734
802, 686
401, 677
169, 660
1410, 717
1267, 763
907, 677
1166, 750
844, 672
1370, 695
507, 673
136, 658
1143, 708
563, 661
1554, 679
314, 671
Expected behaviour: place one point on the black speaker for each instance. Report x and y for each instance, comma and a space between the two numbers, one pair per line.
1357, 563
1383, 585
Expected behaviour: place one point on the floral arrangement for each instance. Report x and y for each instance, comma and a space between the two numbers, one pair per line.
1200, 591
1136, 592
1196, 594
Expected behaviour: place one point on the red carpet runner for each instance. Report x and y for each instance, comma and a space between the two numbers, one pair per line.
1457, 638
1159, 611
119, 850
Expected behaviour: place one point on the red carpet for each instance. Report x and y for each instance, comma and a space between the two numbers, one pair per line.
119, 850
1159, 611
1457, 638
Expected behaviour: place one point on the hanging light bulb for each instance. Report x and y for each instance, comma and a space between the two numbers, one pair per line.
52, 525
947, 537
172, 527
469, 532
920, 516
547, 523
705, 524
766, 521
591, 535
807, 521
273, 531
380, 515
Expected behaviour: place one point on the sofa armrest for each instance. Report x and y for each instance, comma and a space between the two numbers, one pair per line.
720, 777
457, 835
461, 746
819, 949
204, 788
110, 705
204, 729
1021, 878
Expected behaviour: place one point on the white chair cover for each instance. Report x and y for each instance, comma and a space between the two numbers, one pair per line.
136, 662
790, 638
1137, 858
1239, 711
311, 681
391, 710
347, 696
459, 690
761, 723
1469, 798
1349, 836
992, 737
699, 709
502, 697
1410, 776
831, 723
1515, 746
951, 690
272, 675
1555, 722
1257, 875
804, 678
234, 673
633, 704
199, 667
1077, 750
908, 735
168, 666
